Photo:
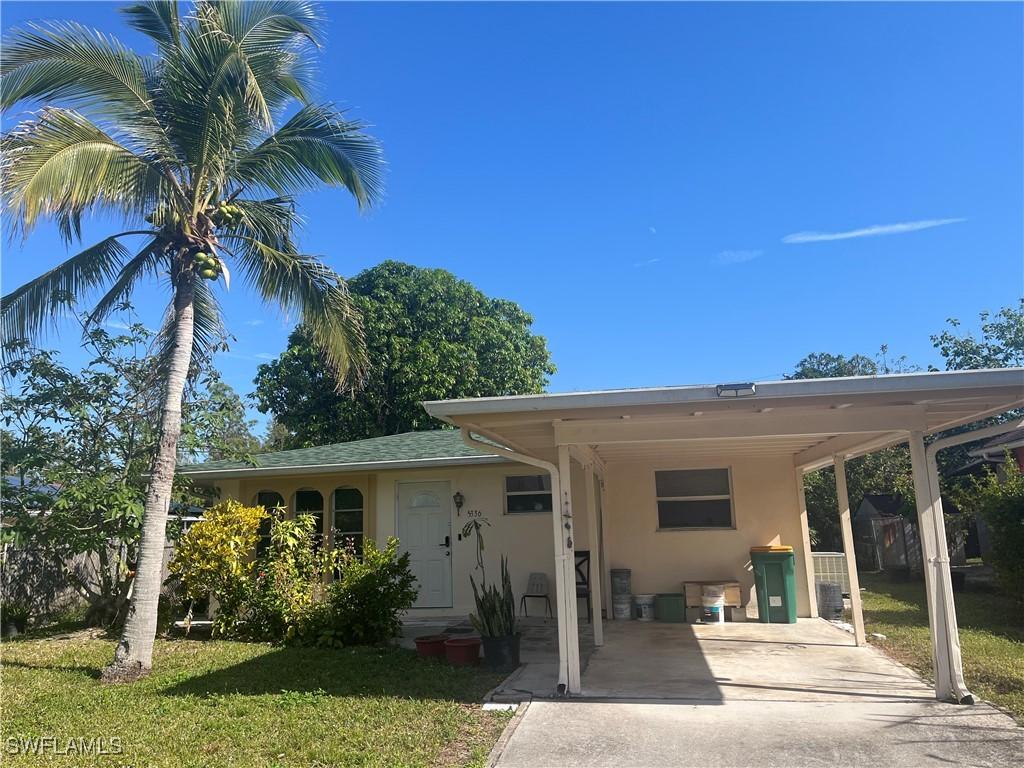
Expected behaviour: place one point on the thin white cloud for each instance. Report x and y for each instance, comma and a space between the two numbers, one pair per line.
244, 356
645, 263
737, 257
254, 322
873, 231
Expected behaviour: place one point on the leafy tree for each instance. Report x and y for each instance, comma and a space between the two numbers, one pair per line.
1001, 344
77, 445
1000, 502
217, 426
429, 335
884, 471
823, 365
185, 146
276, 437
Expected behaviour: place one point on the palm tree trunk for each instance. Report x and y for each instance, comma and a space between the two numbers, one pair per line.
134, 655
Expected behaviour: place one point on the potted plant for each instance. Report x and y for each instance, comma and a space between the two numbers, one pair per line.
495, 620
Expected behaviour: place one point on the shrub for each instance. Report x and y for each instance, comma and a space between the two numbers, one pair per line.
16, 618
215, 558
290, 581
285, 594
1000, 502
363, 605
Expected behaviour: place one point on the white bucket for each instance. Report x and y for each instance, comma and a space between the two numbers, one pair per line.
622, 607
713, 610
644, 607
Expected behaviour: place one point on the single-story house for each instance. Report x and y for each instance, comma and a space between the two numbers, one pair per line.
675, 483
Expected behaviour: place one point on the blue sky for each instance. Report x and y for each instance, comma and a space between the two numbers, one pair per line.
679, 193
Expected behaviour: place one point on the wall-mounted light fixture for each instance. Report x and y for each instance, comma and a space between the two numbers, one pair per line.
735, 390
459, 500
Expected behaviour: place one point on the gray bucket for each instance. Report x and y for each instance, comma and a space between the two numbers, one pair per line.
830, 600
622, 581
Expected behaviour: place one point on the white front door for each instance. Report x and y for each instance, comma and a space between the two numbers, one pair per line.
425, 532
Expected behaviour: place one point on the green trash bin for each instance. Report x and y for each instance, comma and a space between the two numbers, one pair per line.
775, 583
670, 606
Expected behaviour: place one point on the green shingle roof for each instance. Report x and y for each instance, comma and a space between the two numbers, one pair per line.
435, 447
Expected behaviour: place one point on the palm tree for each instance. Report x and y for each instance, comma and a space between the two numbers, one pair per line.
191, 149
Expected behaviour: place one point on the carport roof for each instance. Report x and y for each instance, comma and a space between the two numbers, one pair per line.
892, 385
811, 420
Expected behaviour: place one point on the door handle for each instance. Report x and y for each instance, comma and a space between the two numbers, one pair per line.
447, 541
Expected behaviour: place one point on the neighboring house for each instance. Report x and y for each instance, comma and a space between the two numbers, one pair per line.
674, 483
992, 453
886, 540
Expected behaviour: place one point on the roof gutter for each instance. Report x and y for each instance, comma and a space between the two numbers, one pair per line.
562, 557
364, 466
839, 387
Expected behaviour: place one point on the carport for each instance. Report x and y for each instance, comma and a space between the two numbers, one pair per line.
765, 436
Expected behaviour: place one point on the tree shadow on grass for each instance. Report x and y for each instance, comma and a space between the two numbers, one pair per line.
361, 672
986, 611
85, 670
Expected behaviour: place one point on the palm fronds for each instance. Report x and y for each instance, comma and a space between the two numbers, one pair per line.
82, 68
146, 260
62, 164
317, 145
177, 139
24, 312
305, 285
158, 19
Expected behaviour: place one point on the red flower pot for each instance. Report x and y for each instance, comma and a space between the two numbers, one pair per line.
462, 651
429, 646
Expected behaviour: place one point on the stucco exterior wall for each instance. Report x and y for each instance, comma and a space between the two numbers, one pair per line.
766, 512
526, 538
764, 500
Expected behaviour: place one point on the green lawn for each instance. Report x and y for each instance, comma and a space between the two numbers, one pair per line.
991, 637
226, 703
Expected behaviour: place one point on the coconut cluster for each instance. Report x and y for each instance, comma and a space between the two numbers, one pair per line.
227, 215
207, 265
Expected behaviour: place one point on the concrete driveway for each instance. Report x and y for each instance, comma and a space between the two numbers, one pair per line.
752, 695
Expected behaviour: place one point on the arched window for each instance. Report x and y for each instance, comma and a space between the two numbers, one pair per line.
348, 519
310, 502
269, 500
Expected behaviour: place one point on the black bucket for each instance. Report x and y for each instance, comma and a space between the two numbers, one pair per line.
501, 653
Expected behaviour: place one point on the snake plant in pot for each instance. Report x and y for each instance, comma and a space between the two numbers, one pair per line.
495, 620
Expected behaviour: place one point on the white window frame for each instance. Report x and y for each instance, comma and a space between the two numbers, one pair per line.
730, 497
505, 493
334, 513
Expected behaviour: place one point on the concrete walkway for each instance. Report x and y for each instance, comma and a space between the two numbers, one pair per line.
753, 695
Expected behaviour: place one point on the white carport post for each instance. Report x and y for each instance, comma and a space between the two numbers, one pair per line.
946, 659
565, 567
843, 497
